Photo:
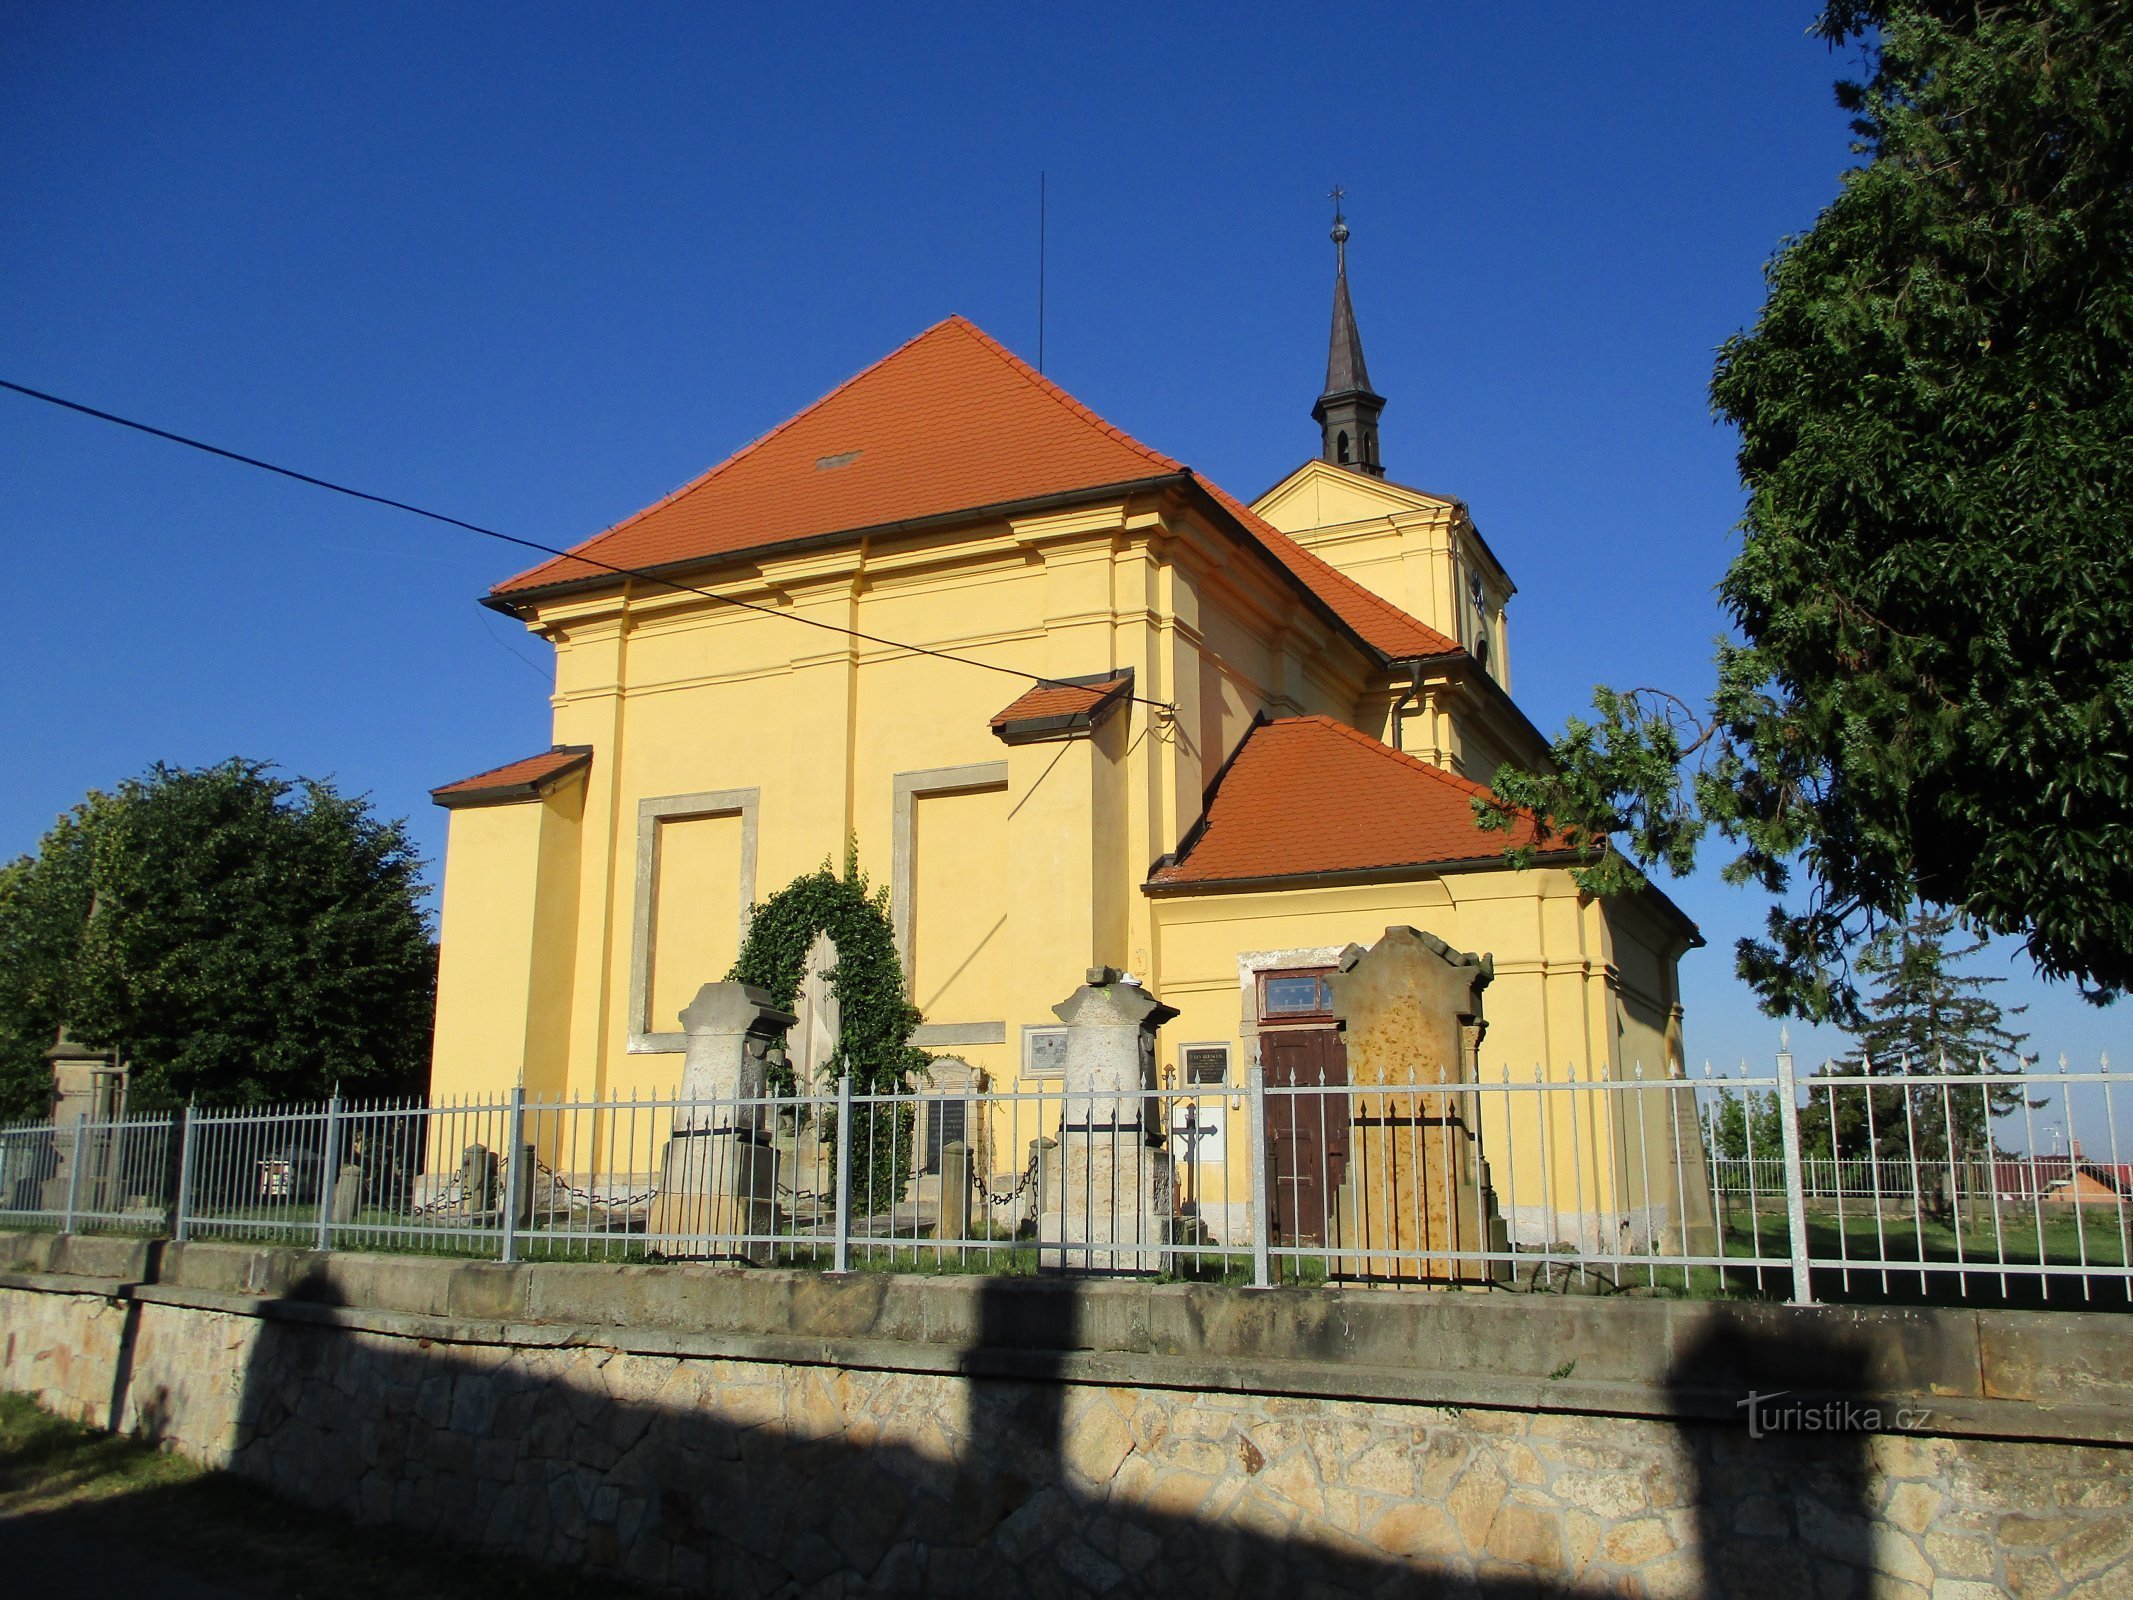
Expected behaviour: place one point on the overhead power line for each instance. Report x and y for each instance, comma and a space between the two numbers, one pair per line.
638, 573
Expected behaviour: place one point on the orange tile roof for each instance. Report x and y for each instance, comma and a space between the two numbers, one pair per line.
1309, 795
514, 780
950, 422
1047, 700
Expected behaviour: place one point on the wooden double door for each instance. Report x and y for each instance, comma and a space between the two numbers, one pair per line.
1307, 1133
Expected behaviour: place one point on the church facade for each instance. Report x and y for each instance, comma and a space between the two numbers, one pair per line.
1074, 703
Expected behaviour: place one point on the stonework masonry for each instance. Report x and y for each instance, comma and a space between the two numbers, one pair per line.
758, 1432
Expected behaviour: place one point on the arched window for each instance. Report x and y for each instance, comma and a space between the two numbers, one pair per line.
1340, 447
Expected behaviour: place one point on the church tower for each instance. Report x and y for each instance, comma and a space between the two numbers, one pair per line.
1347, 413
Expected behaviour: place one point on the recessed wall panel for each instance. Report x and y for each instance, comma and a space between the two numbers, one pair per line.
696, 913
959, 921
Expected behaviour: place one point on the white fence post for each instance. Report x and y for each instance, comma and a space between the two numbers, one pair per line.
1262, 1223
514, 1158
73, 1180
181, 1219
841, 1250
1803, 1293
329, 1171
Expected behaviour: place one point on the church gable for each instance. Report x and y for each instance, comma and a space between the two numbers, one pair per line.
1319, 494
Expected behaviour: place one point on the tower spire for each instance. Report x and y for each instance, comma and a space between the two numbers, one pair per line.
1347, 413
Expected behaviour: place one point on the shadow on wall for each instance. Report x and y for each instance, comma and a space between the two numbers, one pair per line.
1783, 1504
710, 1476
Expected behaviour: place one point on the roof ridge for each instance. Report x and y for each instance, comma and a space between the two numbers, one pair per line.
1052, 391
742, 453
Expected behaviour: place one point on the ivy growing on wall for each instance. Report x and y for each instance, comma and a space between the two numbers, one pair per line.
875, 1014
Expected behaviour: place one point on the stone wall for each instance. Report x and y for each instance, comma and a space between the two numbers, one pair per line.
765, 1433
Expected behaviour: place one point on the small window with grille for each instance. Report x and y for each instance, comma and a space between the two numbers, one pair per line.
1295, 997
1206, 1065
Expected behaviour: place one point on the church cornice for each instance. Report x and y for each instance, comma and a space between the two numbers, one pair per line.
665, 577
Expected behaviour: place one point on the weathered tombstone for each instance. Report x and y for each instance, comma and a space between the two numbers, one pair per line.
718, 1180
1410, 1014
1112, 1207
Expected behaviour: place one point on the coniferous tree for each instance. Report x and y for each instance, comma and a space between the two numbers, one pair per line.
1925, 1015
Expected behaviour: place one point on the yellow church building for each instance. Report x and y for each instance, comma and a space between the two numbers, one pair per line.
1076, 705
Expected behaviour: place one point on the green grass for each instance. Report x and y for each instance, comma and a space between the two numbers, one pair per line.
95, 1487
1932, 1247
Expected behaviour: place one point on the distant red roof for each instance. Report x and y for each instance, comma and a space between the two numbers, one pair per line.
1062, 706
950, 422
514, 780
1309, 795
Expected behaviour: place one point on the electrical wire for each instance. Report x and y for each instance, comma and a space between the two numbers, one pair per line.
534, 544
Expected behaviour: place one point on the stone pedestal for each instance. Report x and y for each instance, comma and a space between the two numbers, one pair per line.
89, 1088
1410, 1013
1112, 1208
718, 1178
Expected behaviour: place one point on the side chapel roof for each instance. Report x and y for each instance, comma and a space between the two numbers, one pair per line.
951, 422
1309, 796
1062, 706
522, 779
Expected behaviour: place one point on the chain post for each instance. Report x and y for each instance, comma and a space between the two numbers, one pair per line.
1262, 1222
514, 1158
329, 1171
841, 1250
1803, 1293
181, 1216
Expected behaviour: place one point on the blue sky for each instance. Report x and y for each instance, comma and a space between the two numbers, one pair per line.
536, 265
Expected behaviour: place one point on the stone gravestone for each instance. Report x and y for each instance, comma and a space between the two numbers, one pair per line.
718, 1179
1410, 1014
1111, 1209
819, 1020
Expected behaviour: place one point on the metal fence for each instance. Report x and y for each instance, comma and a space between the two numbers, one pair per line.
1933, 1185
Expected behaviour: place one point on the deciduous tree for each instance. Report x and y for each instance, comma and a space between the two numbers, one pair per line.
1930, 697
241, 938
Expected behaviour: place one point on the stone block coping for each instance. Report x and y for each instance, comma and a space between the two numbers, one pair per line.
2064, 1376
